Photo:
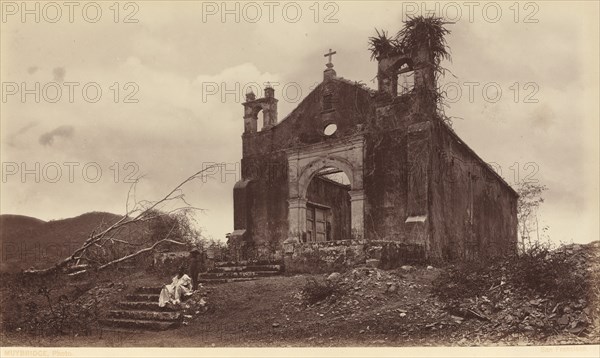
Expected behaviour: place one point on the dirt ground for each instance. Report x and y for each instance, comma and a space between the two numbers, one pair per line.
376, 308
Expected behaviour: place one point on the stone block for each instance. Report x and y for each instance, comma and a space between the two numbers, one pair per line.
373, 263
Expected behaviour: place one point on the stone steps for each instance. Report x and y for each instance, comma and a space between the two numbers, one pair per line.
140, 312
144, 306
148, 290
136, 324
120, 330
225, 272
212, 281
143, 297
234, 274
245, 263
145, 315
247, 268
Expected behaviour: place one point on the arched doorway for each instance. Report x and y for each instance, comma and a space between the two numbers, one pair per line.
311, 170
328, 206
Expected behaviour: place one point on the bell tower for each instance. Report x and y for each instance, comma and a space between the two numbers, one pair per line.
252, 106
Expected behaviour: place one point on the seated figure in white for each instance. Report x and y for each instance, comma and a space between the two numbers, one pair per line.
180, 287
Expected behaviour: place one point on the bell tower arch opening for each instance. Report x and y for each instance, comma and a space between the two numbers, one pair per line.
253, 106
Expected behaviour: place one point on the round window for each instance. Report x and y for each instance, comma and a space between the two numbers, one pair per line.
330, 129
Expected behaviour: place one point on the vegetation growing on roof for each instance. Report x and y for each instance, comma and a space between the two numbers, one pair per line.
418, 34
382, 46
427, 32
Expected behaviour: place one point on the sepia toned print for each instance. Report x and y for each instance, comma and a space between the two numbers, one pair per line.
299, 174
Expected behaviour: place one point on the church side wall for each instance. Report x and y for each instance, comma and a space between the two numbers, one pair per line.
473, 212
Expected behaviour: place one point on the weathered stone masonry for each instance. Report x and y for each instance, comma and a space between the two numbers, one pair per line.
415, 190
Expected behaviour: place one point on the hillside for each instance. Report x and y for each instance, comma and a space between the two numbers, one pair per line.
14, 226
27, 241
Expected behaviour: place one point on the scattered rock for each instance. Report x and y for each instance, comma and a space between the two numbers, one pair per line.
563, 320
334, 277
510, 307
567, 309
457, 319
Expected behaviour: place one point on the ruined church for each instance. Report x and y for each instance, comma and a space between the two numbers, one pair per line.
359, 174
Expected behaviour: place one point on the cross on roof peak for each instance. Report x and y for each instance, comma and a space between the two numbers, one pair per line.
330, 54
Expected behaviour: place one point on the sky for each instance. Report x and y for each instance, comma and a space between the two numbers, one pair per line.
95, 95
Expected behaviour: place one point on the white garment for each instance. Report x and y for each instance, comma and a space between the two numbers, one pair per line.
173, 292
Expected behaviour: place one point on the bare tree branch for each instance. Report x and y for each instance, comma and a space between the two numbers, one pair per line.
127, 219
124, 258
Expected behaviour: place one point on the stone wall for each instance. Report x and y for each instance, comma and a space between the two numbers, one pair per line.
392, 254
342, 255
169, 262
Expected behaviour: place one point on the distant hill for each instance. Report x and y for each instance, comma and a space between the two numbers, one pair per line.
16, 225
29, 242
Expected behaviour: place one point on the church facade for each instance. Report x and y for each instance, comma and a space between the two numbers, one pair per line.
353, 167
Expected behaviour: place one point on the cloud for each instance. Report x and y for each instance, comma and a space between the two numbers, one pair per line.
11, 139
183, 121
59, 74
62, 131
543, 118
25, 128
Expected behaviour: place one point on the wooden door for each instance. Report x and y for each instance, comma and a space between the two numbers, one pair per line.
320, 224
316, 223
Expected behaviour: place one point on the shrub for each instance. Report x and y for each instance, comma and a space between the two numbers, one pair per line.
539, 270
550, 273
37, 311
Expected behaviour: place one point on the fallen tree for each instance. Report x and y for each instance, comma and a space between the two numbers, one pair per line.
141, 211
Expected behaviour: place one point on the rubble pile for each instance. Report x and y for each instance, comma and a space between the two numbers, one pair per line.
563, 300
194, 305
360, 289
550, 296
103, 295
